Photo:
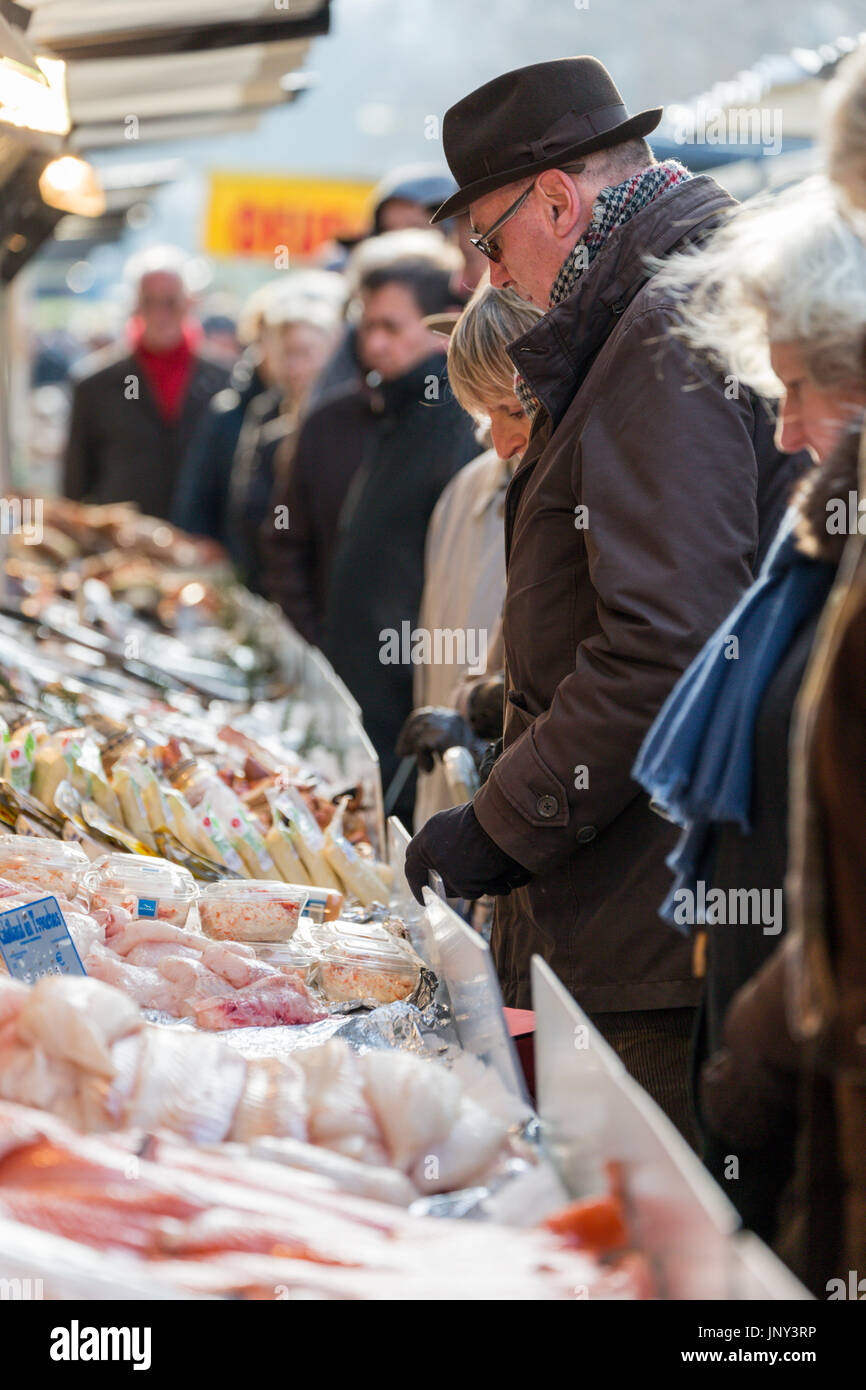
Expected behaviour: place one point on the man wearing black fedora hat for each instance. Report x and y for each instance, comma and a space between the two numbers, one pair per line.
648, 490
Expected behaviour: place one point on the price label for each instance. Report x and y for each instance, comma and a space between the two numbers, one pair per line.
35, 941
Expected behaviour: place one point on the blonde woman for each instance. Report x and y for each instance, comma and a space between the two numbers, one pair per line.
464, 575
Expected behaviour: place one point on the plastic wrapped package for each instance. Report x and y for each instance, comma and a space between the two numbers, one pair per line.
182, 822
251, 910
55, 865
20, 753
143, 887
285, 856
141, 800
357, 873
71, 755
224, 820
308, 839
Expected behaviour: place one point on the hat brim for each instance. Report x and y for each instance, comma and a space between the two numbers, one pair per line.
634, 128
443, 323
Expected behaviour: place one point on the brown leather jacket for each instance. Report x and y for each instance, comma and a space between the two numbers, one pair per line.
632, 527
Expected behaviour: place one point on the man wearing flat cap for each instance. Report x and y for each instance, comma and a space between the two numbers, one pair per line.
648, 491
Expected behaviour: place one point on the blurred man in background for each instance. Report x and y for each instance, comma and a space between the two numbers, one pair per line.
136, 406
371, 462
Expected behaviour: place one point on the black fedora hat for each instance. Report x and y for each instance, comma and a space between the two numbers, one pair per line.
535, 118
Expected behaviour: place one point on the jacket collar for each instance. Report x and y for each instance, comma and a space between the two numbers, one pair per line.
555, 355
390, 397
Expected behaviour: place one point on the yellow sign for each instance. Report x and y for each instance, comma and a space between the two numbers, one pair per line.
267, 215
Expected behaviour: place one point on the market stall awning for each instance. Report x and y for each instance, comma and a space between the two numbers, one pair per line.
116, 28
138, 70
110, 135
179, 84
166, 70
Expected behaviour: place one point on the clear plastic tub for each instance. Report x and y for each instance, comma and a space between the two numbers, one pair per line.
55, 865
251, 909
351, 968
143, 886
283, 953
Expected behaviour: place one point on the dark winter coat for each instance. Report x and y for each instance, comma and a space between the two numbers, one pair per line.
120, 449
201, 497
605, 607
377, 566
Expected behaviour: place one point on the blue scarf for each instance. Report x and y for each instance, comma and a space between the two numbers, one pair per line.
696, 760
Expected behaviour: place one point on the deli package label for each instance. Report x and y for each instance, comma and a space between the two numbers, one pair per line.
35, 941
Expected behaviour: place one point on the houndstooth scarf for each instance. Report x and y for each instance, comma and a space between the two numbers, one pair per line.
612, 208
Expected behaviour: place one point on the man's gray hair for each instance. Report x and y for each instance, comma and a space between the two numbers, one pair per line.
784, 268
616, 162
167, 260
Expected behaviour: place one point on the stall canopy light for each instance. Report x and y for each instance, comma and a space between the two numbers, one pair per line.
70, 185
35, 105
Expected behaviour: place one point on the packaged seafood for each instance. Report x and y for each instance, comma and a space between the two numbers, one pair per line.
251, 910
55, 865
357, 873
353, 968
71, 755
288, 955
20, 753
285, 856
182, 823
142, 887
140, 797
307, 838
129, 795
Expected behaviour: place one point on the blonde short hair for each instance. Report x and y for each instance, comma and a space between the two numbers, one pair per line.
479, 368
784, 268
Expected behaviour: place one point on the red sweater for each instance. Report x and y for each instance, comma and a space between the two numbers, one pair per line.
167, 373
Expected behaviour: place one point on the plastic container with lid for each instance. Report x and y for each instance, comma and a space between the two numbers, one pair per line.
55, 865
290, 954
351, 968
251, 909
146, 887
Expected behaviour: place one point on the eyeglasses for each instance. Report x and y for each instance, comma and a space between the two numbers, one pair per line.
484, 243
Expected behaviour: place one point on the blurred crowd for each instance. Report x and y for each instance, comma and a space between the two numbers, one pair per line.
254, 432
613, 443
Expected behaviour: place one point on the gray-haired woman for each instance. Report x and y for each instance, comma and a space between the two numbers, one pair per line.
778, 295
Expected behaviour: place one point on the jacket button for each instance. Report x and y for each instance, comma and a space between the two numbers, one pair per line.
586, 834
547, 806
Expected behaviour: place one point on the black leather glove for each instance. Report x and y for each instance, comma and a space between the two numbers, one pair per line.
485, 767
471, 864
485, 707
430, 730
